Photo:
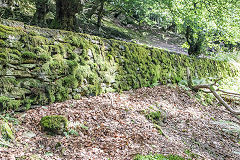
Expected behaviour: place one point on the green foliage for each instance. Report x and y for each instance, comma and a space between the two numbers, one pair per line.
18, 10
209, 22
73, 132
211, 19
231, 84
5, 130
44, 57
84, 127
9, 104
155, 117
158, 157
54, 124
227, 56
77, 96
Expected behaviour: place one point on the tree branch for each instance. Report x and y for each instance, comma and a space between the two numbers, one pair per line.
213, 91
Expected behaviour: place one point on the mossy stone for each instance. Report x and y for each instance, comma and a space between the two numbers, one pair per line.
28, 55
47, 68
54, 124
3, 102
157, 117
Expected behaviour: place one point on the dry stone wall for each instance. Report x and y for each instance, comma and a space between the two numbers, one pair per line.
40, 66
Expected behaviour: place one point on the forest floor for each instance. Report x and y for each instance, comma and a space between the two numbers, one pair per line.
113, 28
114, 126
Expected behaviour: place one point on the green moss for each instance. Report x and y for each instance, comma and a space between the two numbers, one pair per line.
77, 65
63, 48
60, 66
155, 117
5, 31
77, 96
39, 97
70, 82
62, 93
4, 28
3, 43
50, 90
14, 104
54, 49
27, 102
94, 89
29, 55
16, 52
44, 57
15, 57
38, 40
40, 50
3, 58
78, 41
9, 104
54, 124
72, 66
3, 35
158, 157
3, 103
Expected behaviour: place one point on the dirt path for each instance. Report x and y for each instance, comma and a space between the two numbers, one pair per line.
119, 130
165, 40
151, 37
164, 44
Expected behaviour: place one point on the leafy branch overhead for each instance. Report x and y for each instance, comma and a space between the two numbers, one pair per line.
205, 24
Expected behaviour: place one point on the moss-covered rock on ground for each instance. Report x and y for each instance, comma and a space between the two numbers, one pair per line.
54, 124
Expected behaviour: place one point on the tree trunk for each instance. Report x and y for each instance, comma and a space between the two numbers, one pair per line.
94, 9
65, 13
196, 45
41, 12
100, 14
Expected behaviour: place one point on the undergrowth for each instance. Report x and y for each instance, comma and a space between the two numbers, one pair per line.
158, 157
227, 56
229, 84
6, 132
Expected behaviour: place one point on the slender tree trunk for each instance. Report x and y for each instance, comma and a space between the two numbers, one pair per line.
41, 12
100, 14
196, 44
65, 13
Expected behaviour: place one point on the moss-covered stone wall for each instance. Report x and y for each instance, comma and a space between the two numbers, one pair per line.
40, 66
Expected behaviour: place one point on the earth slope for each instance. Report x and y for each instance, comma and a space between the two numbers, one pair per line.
113, 126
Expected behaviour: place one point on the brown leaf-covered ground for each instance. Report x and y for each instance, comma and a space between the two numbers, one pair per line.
118, 129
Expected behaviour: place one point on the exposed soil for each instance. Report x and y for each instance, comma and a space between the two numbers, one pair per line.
151, 37
165, 40
118, 129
